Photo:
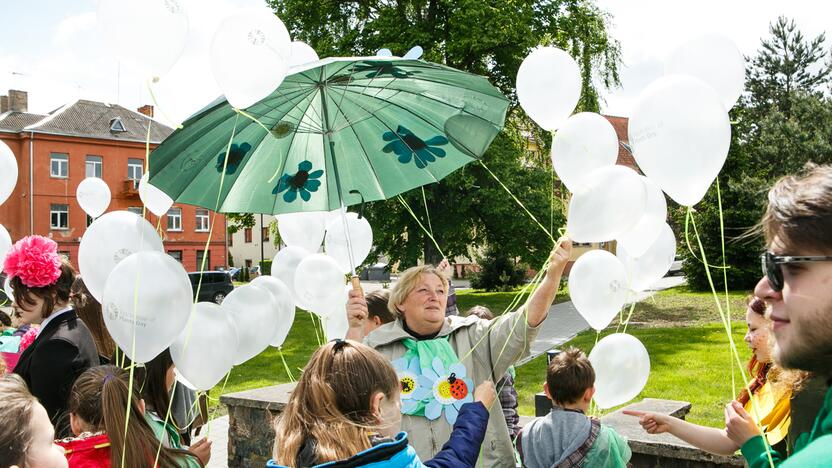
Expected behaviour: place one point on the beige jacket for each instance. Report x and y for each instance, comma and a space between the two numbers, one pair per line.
497, 344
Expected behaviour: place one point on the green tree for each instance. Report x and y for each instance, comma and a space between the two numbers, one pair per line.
783, 122
485, 37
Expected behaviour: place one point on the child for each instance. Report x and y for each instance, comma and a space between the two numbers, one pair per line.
97, 409
567, 434
346, 409
26, 435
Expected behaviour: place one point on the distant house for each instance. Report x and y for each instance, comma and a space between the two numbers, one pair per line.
247, 245
56, 151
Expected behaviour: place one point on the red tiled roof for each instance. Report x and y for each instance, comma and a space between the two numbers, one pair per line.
624, 156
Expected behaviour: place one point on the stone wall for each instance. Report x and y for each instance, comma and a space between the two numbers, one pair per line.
251, 417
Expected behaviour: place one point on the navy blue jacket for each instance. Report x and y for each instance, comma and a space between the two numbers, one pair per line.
460, 451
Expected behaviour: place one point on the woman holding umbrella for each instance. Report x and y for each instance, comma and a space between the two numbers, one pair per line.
440, 360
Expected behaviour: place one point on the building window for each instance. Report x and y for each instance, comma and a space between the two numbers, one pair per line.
201, 220
64, 254
94, 165
116, 125
135, 209
89, 220
264, 232
175, 219
59, 165
176, 254
135, 169
200, 254
247, 235
59, 216
248, 263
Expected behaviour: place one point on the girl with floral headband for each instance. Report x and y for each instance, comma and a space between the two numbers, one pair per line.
64, 347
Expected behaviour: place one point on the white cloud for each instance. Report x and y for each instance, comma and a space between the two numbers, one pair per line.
73, 25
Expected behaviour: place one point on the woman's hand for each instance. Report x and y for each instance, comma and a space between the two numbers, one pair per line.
653, 423
485, 393
356, 315
738, 423
202, 450
559, 257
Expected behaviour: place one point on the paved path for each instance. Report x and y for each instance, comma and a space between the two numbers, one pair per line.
219, 437
564, 321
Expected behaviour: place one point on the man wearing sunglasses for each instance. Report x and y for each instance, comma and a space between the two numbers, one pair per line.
798, 287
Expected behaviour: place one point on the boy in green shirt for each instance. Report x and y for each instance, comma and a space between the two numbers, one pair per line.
798, 288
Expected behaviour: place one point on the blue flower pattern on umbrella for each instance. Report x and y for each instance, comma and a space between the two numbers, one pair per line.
412, 393
236, 154
450, 387
303, 182
407, 146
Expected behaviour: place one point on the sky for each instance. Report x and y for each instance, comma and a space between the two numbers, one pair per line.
55, 50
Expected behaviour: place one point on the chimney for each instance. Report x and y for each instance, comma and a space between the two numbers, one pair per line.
18, 101
146, 110
4, 104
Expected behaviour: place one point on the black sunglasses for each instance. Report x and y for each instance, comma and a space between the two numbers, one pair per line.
774, 272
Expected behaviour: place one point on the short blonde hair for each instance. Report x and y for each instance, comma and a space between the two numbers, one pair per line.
407, 283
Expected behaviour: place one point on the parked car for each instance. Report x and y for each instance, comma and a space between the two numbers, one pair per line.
233, 272
254, 272
215, 285
676, 266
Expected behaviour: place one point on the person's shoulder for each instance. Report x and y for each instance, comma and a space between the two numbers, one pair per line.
385, 334
817, 453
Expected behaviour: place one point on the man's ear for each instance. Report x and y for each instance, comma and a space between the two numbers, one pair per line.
376, 320
588, 394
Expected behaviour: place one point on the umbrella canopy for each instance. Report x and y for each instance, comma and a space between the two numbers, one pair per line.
336, 132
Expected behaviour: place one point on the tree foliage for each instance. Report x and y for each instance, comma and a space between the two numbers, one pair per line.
485, 37
782, 122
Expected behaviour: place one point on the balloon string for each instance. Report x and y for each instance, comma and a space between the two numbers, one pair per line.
548, 233
285, 365
252, 118
427, 233
171, 394
627, 322
210, 418
156, 104
725, 276
315, 327
427, 212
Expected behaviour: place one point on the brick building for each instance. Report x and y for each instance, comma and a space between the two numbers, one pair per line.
56, 151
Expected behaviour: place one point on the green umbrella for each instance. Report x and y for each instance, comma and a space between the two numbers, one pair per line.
336, 132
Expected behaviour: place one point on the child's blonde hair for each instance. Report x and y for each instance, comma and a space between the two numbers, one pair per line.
15, 420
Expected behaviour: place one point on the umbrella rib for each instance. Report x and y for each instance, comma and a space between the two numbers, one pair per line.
364, 151
397, 135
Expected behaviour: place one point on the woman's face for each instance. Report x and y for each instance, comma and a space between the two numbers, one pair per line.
29, 312
424, 307
44, 453
758, 335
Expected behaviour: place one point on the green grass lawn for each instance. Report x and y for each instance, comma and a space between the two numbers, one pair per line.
681, 329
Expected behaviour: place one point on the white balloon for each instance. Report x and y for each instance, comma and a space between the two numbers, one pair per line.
598, 287
251, 308
622, 367
360, 237
7, 288
110, 239
318, 281
93, 196
549, 86
284, 266
8, 172
336, 324
146, 35
304, 229
714, 59
680, 133
5, 244
608, 203
147, 298
639, 237
204, 351
653, 264
586, 142
284, 306
302, 54
250, 55
157, 201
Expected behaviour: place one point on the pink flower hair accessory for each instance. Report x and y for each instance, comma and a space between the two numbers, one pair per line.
35, 260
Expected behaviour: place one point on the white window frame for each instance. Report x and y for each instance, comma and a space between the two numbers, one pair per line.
53, 211
96, 162
202, 220
175, 215
63, 163
133, 165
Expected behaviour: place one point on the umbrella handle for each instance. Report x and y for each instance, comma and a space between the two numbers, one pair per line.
356, 285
